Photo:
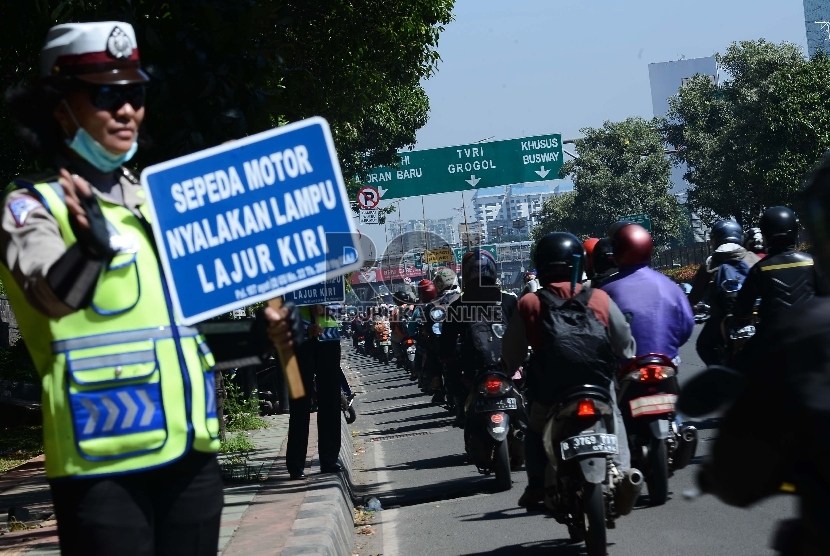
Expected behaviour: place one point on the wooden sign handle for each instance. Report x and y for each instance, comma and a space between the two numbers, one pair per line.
288, 359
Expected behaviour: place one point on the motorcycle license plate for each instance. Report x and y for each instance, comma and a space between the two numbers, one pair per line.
588, 444
657, 404
386, 343
502, 404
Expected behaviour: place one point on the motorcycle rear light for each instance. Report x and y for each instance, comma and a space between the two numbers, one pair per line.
651, 373
493, 386
497, 418
586, 409
409, 341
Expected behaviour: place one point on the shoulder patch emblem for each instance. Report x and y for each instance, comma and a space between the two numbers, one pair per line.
22, 207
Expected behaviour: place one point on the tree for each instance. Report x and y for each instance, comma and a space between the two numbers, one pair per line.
750, 141
622, 169
223, 69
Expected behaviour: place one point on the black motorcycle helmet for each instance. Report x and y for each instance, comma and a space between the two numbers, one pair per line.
726, 231
559, 257
779, 225
603, 256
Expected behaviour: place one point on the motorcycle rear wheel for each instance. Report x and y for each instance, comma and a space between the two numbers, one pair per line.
501, 465
657, 479
593, 508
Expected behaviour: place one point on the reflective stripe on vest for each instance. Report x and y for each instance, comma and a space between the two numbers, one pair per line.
125, 388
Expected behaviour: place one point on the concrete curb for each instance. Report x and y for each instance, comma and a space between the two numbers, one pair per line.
325, 521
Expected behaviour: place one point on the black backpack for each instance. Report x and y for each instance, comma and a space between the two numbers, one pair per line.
576, 346
482, 345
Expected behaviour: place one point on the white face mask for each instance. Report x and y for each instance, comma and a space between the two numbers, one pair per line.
93, 152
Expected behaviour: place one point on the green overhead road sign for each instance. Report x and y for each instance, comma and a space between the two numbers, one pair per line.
643, 220
459, 252
467, 167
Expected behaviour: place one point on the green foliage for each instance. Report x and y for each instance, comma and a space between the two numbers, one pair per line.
223, 69
242, 414
621, 169
237, 443
750, 141
18, 445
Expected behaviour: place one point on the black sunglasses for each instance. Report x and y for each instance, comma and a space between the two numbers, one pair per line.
109, 97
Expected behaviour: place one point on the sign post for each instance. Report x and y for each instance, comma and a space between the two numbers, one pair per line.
643, 220
466, 167
369, 216
459, 252
251, 220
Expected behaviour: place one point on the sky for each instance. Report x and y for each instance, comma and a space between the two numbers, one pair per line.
531, 67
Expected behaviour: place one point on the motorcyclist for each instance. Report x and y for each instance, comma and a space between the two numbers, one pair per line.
661, 318
602, 261
777, 430
589, 245
427, 345
559, 257
754, 241
448, 290
481, 292
785, 277
531, 283
356, 329
398, 319
726, 239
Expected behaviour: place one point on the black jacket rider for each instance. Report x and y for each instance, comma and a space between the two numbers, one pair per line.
782, 279
779, 429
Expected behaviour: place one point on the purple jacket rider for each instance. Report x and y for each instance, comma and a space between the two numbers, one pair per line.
662, 317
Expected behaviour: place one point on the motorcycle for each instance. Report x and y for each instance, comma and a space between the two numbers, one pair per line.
495, 426
347, 409
659, 446
702, 312
384, 345
584, 489
409, 362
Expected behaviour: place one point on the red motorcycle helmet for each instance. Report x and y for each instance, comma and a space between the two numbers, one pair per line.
589, 244
426, 291
631, 243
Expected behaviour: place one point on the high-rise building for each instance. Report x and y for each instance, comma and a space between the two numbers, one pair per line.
817, 25
506, 207
666, 80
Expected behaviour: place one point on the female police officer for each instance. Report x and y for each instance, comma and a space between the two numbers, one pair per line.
129, 421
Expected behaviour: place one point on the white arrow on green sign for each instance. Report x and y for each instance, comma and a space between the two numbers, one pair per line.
459, 252
466, 167
643, 220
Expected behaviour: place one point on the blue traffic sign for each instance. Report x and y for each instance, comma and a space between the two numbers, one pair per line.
330, 291
251, 220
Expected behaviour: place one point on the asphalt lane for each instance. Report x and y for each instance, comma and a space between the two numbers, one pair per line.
436, 503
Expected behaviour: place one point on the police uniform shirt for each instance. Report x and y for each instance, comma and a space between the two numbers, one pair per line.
31, 242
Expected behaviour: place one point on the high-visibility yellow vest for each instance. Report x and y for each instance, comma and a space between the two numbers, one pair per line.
331, 328
125, 387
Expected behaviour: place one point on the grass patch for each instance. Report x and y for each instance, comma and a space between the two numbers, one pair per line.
18, 445
237, 443
243, 415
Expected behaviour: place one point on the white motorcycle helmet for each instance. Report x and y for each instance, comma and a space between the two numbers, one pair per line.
444, 280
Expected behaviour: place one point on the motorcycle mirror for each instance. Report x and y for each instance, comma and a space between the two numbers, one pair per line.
437, 315
687, 288
498, 330
711, 391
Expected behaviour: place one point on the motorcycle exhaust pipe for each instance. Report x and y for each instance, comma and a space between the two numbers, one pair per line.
686, 447
628, 490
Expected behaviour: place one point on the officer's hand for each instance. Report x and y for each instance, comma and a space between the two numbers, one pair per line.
73, 185
86, 218
280, 327
315, 331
